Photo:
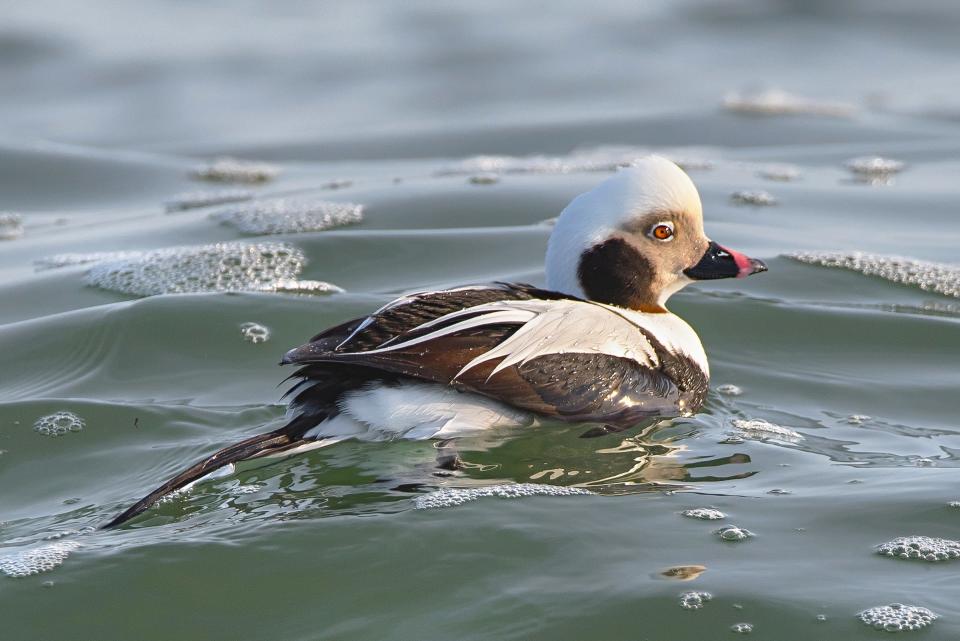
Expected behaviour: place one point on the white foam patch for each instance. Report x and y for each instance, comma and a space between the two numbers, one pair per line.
761, 430
758, 198
450, 497
874, 165
932, 277
198, 199
58, 424
221, 267
233, 170
923, 548
608, 158
898, 617
11, 226
734, 534
742, 628
69, 260
776, 102
254, 332
704, 513
694, 600
290, 216
779, 173
37, 560
729, 389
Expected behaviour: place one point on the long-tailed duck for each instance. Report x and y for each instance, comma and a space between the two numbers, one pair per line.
598, 345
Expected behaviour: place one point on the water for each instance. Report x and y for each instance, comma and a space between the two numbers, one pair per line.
461, 131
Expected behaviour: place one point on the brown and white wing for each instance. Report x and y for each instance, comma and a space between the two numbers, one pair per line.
559, 357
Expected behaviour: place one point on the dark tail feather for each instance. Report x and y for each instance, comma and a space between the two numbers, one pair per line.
281, 439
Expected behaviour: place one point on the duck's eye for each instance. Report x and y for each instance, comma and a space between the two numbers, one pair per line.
662, 231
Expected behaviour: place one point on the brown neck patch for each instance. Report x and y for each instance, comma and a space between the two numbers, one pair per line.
615, 273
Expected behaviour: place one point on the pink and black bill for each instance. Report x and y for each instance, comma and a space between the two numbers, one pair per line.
720, 262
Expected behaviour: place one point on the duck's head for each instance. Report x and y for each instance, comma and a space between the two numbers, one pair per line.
636, 239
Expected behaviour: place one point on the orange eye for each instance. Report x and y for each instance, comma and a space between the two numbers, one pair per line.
662, 231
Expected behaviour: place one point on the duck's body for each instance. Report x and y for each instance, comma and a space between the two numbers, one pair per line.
596, 346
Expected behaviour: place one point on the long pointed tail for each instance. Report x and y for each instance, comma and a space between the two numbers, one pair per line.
259, 445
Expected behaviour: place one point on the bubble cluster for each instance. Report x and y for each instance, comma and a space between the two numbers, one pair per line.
728, 389
198, 199
897, 617
58, 424
450, 497
290, 216
694, 600
921, 547
37, 560
734, 533
704, 513
759, 198
69, 260
858, 419
222, 267
11, 226
954, 504
237, 171
742, 628
779, 173
776, 102
933, 277
759, 429
254, 333
874, 165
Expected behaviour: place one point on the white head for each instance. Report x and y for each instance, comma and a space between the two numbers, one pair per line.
637, 238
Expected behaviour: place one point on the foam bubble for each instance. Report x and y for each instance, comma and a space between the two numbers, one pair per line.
222, 267
705, 513
858, 419
608, 158
734, 533
933, 277
954, 504
254, 333
921, 547
289, 216
450, 497
728, 389
37, 560
69, 260
11, 226
238, 171
759, 429
897, 617
779, 173
198, 199
759, 198
58, 424
742, 628
694, 600
874, 165
776, 102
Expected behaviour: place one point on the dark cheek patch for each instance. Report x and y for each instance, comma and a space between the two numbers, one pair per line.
614, 272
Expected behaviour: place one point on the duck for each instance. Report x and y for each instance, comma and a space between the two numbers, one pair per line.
597, 345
